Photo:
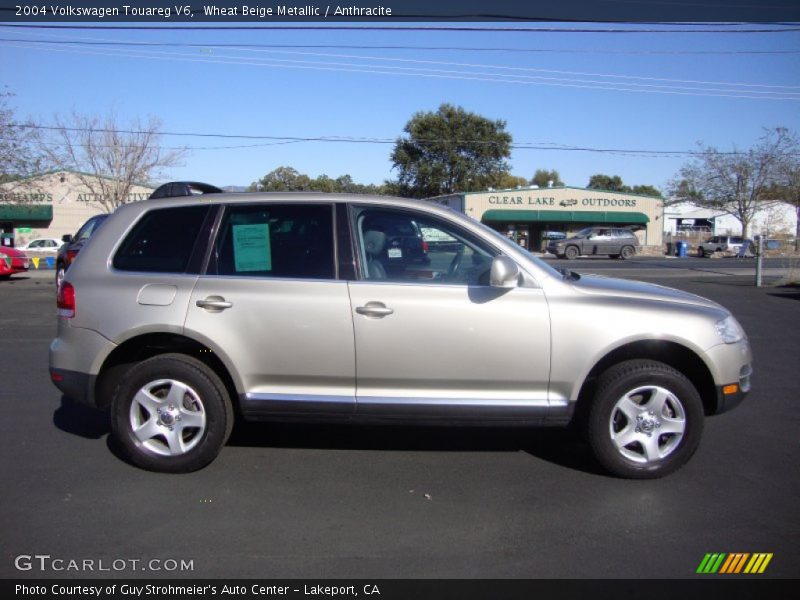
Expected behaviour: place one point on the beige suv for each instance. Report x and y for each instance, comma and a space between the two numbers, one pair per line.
184, 312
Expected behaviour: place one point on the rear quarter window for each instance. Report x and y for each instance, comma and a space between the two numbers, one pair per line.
162, 241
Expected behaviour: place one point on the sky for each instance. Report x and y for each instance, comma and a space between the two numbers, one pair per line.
661, 91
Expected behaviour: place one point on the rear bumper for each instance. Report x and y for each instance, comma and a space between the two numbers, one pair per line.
76, 356
74, 385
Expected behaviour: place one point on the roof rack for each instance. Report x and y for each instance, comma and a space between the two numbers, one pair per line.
175, 189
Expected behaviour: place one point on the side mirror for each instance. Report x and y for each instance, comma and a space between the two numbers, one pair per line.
504, 273
66, 238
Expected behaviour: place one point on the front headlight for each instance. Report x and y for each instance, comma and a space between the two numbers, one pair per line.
729, 330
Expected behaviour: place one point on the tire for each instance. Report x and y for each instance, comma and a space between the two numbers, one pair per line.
646, 420
171, 413
571, 252
627, 252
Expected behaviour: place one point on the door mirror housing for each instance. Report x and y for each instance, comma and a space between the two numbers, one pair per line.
504, 273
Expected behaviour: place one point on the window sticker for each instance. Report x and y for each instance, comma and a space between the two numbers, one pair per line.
251, 247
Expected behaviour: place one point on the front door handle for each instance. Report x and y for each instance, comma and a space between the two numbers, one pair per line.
377, 310
214, 303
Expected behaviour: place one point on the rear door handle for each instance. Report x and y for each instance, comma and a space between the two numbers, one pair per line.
214, 303
377, 310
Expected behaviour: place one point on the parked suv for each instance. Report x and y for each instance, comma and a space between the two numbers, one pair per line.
184, 312
721, 243
611, 241
73, 244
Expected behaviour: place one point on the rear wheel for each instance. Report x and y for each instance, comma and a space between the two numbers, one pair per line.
627, 252
571, 252
646, 420
171, 413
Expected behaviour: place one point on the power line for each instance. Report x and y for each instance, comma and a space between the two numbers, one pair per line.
405, 47
384, 141
442, 74
426, 48
428, 62
401, 28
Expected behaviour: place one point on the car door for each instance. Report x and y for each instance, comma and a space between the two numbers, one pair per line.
271, 305
434, 339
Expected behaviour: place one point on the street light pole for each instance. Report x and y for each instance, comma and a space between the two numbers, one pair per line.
759, 255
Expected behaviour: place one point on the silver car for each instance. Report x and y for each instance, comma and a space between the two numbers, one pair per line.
614, 242
181, 313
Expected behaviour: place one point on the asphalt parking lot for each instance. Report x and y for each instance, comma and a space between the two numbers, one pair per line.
292, 501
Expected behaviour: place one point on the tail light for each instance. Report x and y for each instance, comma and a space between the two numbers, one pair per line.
65, 300
425, 247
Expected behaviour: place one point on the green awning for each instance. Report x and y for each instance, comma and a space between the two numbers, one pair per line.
563, 216
26, 213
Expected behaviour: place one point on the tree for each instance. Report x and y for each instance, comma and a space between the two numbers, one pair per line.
614, 184
282, 179
108, 159
18, 156
645, 190
739, 183
288, 179
450, 150
606, 182
507, 181
543, 178
787, 188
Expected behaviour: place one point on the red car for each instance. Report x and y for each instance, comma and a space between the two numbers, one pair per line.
12, 261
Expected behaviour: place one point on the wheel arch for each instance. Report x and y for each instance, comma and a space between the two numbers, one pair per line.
148, 345
677, 356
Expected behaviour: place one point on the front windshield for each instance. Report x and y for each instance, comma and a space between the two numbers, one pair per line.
509, 244
584, 232
506, 244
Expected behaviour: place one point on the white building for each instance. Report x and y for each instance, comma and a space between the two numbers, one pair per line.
49, 205
530, 215
775, 219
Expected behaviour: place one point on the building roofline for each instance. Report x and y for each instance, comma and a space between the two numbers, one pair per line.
555, 187
74, 172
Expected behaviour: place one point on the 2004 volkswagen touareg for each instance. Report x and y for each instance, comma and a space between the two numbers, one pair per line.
182, 312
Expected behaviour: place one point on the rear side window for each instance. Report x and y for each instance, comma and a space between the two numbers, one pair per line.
86, 231
162, 241
276, 240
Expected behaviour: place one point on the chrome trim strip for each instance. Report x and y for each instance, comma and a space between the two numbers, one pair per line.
472, 402
408, 408
302, 398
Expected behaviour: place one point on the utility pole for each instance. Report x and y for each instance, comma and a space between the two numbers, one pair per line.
759, 256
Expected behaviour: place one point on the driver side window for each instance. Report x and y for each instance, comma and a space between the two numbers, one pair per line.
403, 246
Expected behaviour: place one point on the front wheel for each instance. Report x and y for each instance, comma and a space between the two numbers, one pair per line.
571, 253
171, 413
646, 420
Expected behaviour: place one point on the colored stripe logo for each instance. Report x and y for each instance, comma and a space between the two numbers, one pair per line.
734, 563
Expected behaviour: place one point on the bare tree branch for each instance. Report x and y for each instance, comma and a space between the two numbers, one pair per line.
108, 159
739, 184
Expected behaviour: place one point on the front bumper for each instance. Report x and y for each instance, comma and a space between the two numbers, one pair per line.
733, 371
